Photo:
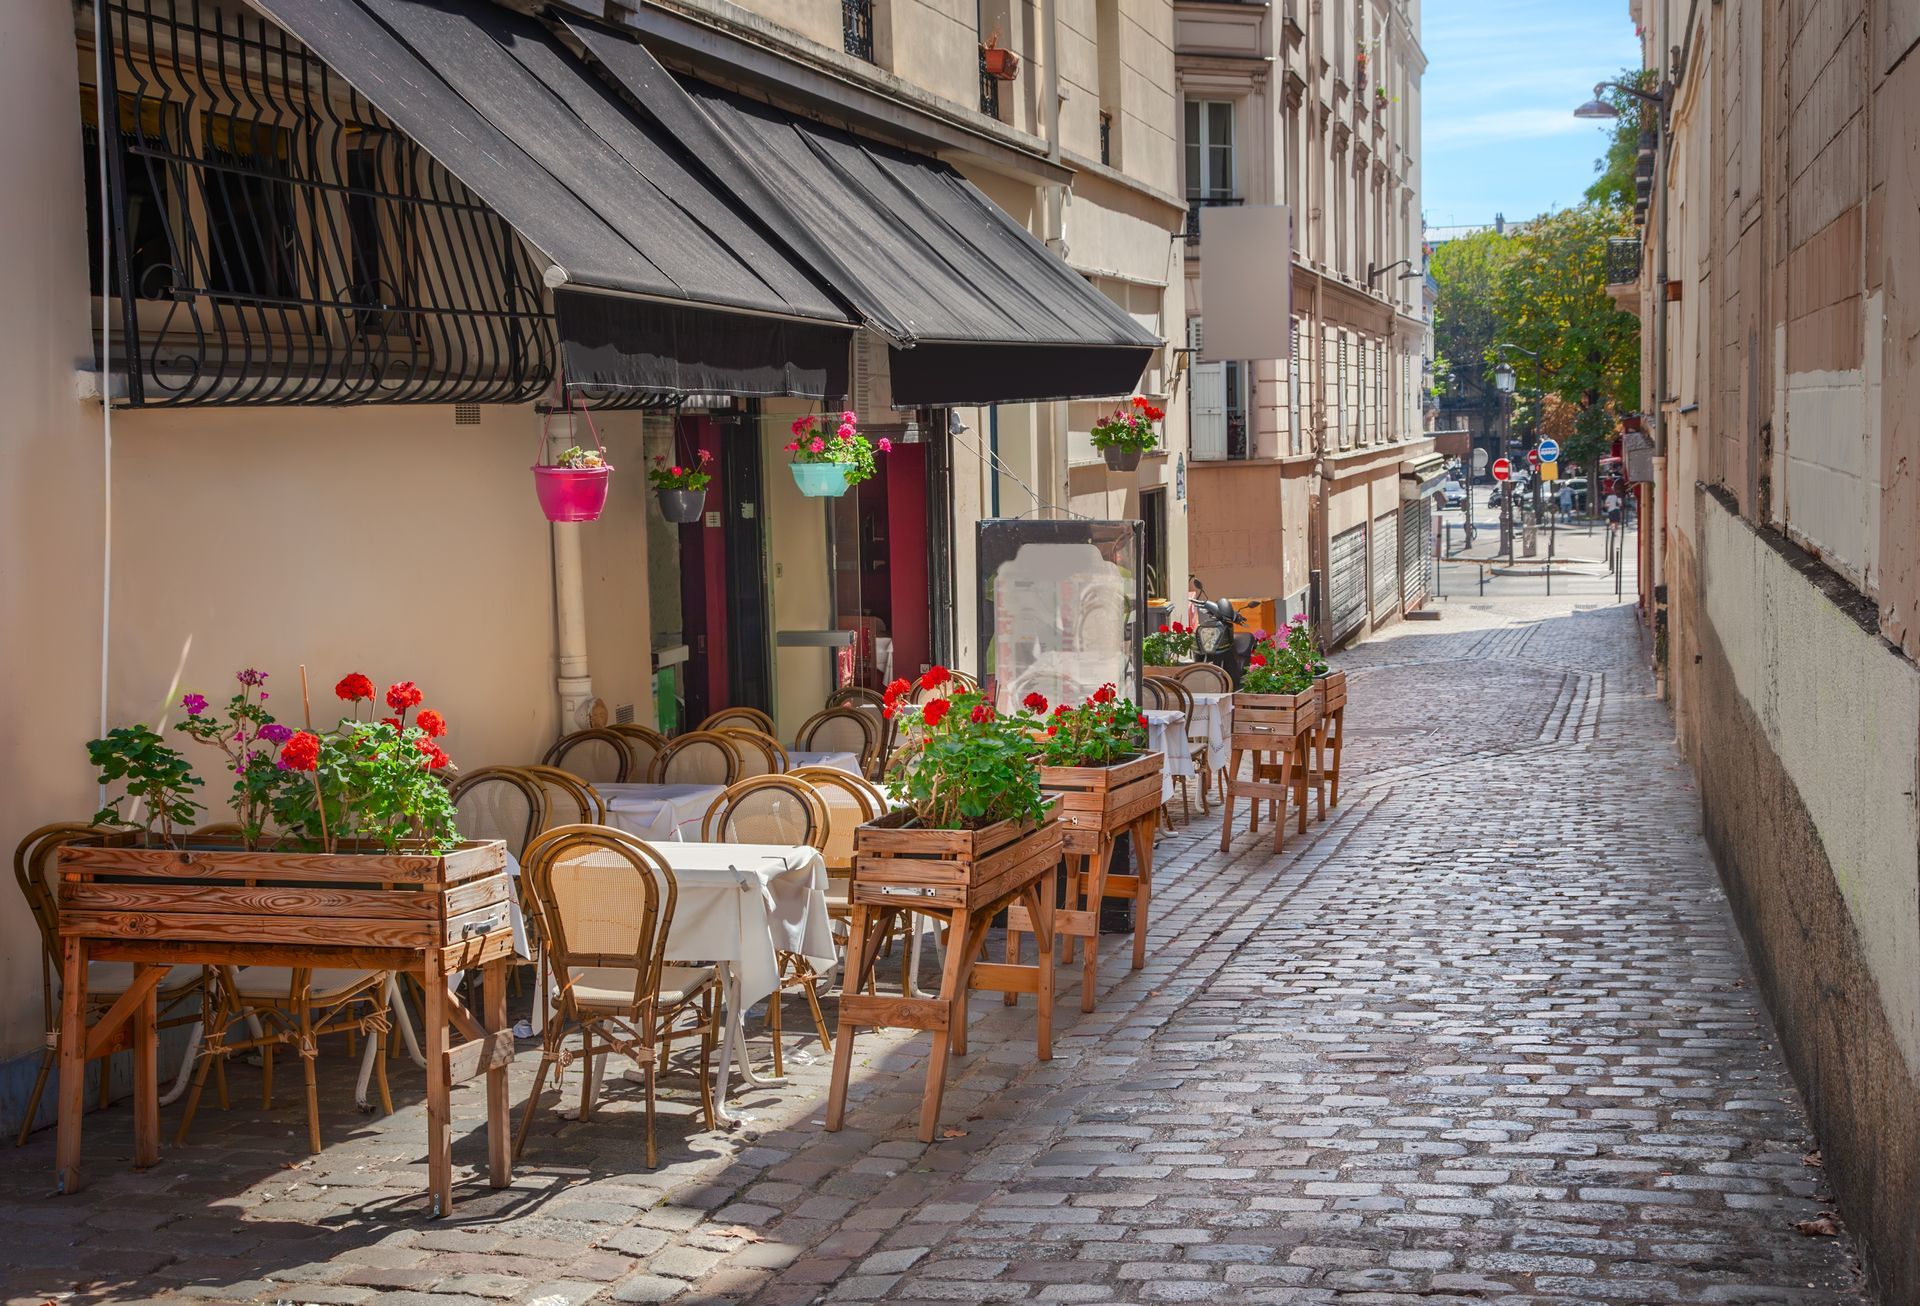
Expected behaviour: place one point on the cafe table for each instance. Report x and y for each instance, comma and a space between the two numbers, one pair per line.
1167, 733
839, 761
658, 813
1213, 713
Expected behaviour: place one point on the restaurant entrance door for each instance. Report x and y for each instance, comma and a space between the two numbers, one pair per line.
723, 572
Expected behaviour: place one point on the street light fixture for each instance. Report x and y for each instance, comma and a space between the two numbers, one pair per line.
1600, 108
1503, 379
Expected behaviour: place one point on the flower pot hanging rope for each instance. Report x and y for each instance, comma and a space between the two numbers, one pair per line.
573, 488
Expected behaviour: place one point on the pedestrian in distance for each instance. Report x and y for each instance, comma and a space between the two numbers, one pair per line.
1566, 500
1613, 509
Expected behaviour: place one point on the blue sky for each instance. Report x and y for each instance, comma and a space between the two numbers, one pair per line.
1503, 77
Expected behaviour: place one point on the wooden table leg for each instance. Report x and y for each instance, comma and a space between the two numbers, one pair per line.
433, 1022
73, 1063
499, 1125
1143, 889
146, 1070
953, 994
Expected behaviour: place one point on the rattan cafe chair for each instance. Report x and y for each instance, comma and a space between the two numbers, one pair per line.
569, 799
776, 809
1205, 678
606, 902
183, 993
596, 756
760, 753
644, 743
699, 757
501, 802
842, 730
856, 696
1180, 698
739, 718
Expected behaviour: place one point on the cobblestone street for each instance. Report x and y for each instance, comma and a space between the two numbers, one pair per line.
1484, 1035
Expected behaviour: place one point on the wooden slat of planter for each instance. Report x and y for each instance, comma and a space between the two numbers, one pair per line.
1002, 978
897, 1013
230, 899
240, 864
188, 952
1063, 780
481, 892
213, 927
479, 921
478, 951
1042, 857
478, 1056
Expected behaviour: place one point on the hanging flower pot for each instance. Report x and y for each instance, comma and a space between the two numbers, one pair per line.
826, 462
574, 487
1122, 437
572, 494
1119, 459
997, 63
682, 491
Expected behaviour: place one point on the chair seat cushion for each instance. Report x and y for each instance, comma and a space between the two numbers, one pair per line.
612, 986
271, 983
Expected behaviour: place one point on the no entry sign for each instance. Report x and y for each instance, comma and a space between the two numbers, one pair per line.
1502, 469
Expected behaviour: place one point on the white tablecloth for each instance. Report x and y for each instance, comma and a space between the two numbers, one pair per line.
658, 813
799, 757
1167, 733
743, 902
1215, 712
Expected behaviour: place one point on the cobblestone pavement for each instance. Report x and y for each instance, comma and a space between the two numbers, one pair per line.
1485, 1035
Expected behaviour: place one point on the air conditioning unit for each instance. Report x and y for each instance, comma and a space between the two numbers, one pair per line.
873, 390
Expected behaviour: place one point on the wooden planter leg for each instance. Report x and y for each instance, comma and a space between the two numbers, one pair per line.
499, 1126
433, 1032
1143, 888
1339, 740
1041, 895
73, 1063
843, 1044
953, 995
1284, 779
146, 1072
1095, 889
1226, 813
1320, 770
1301, 766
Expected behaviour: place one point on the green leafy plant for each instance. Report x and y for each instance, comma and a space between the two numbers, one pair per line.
247, 737
1284, 665
961, 765
663, 476
577, 459
1168, 645
1128, 427
156, 778
813, 442
1099, 732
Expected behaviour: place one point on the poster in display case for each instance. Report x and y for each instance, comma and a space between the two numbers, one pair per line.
1062, 608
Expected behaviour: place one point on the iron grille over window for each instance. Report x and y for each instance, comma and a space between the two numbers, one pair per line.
1106, 138
989, 89
1193, 213
275, 240
856, 28
1623, 260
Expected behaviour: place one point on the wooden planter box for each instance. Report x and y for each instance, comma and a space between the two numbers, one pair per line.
220, 893
1330, 692
1267, 721
1093, 803
896, 863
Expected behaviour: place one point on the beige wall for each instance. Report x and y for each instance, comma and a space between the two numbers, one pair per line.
51, 504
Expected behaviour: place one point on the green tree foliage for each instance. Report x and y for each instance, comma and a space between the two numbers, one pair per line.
1467, 320
1613, 188
1551, 299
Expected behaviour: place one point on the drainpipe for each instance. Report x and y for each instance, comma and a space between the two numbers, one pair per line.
1320, 537
1056, 227
574, 684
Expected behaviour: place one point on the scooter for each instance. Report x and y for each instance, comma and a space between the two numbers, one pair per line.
1217, 640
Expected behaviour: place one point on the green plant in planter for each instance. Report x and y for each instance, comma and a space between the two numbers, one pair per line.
1168, 645
576, 459
695, 477
1285, 666
1099, 732
818, 439
1130, 428
962, 765
156, 776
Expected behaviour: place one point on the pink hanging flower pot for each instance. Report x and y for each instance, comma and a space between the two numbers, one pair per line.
573, 488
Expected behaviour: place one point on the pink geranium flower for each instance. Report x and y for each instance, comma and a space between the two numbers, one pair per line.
816, 444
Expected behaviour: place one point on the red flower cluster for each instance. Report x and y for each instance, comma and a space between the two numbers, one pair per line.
354, 688
301, 753
404, 695
436, 758
897, 690
933, 713
1143, 720
432, 722
1035, 702
934, 677
1104, 694
1152, 414
981, 714
1257, 660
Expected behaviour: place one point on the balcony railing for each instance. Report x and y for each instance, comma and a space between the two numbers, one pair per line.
856, 28
1195, 204
1623, 260
989, 89
1106, 139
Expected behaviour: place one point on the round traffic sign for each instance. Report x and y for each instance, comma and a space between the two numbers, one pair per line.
1533, 457
1549, 451
1502, 469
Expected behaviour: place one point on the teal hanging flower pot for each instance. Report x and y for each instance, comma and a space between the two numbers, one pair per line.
820, 480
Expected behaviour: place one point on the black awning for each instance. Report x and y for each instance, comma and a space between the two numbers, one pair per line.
614, 202
975, 308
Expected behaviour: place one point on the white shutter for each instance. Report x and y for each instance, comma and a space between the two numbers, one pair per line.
1207, 411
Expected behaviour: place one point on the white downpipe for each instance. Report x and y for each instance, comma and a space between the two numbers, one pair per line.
106, 363
575, 682
1058, 452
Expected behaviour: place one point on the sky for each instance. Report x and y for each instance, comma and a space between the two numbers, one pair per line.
1502, 80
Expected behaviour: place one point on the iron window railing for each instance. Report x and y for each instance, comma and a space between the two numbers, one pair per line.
856, 28
1623, 260
1197, 202
275, 240
1106, 138
989, 89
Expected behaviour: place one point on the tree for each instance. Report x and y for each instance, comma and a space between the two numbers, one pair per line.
1466, 320
1614, 186
1551, 300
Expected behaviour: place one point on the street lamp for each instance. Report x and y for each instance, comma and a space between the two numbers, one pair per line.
1503, 379
1600, 108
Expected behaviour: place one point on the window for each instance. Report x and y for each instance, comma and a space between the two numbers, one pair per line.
147, 184
1210, 161
1153, 513
856, 28
1293, 391
1237, 377
379, 241
251, 228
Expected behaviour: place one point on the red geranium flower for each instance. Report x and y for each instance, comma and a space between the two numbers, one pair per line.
981, 714
1035, 702
1257, 660
934, 677
404, 695
432, 722
1141, 720
301, 753
933, 712
353, 688
1053, 730
1163, 628
1179, 629
898, 688
1105, 694
1062, 710
432, 752
393, 721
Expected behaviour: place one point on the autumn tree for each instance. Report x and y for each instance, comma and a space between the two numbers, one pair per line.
1466, 322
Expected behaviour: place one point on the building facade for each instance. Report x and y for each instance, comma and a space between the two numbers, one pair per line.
301, 436
1313, 466
1781, 572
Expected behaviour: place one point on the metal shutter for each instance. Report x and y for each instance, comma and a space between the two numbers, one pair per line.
1347, 582
1416, 552
1386, 562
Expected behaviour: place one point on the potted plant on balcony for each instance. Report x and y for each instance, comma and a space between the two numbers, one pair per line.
1001, 64
1127, 433
826, 462
1170, 646
682, 491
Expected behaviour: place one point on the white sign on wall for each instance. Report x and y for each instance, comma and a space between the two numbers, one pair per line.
1246, 281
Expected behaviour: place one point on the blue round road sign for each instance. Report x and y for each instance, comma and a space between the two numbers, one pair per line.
1549, 451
